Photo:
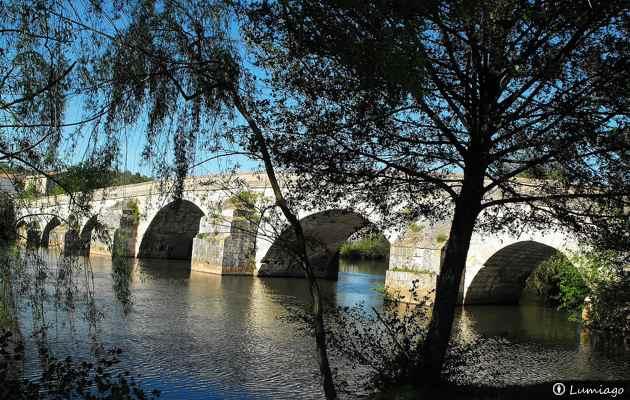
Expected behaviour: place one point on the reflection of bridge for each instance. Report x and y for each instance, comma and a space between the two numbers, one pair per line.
214, 228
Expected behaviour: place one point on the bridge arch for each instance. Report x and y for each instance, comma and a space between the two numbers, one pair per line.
28, 232
503, 276
50, 226
325, 232
94, 237
33, 234
21, 230
171, 231
72, 237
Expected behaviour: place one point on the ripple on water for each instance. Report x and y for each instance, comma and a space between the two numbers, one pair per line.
201, 336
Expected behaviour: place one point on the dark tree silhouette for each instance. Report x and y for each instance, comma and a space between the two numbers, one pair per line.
513, 111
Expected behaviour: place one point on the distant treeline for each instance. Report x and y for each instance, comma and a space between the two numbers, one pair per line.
77, 178
81, 178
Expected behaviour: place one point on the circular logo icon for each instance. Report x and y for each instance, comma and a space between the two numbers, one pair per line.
558, 389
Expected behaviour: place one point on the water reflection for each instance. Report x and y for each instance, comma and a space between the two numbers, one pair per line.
203, 336
520, 324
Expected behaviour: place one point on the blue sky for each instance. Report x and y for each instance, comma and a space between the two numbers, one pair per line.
78, 144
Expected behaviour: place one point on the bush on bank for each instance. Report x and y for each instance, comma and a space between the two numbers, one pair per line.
566, 282
371, 247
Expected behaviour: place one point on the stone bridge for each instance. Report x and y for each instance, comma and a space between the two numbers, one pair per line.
215, 227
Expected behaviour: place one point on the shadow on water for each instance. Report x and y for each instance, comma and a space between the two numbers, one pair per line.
203, 336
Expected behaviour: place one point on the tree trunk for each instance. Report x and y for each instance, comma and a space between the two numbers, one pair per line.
439, 332
320, 340
317, 309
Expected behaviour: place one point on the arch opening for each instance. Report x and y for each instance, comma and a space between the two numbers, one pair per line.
21, 231
94, 237
325, 232
503, 276
171, 232
33, 234
50, 226
72, 237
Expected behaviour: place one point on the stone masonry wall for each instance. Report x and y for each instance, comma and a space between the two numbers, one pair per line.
227, 253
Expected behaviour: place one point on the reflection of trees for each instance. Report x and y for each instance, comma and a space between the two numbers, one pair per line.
8, 315
122, 269
43, 282
9, 327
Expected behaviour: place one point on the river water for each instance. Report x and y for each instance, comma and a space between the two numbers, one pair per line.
200, 336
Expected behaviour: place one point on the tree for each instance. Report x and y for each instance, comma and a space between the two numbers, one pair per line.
41, 63
33, 83
414, 103
176, 66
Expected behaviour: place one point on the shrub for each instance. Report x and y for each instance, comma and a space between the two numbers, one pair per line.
610, 307
7, 219
372, 247
386, 342
560, 284
565, 282
134, 209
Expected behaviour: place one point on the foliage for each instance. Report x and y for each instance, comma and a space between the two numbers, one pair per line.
441, 237
87, 176
134, 208
410, 93
416, 228
610, 306
559, 282
66, 379
34, 82
573, 291
412, 270
245, 199
440, 106
11, 168
29, 192
120, 178
7, 218
372, 247
565, 282
122, 269
383, 342
387, 343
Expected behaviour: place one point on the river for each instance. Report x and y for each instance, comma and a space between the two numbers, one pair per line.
200, 336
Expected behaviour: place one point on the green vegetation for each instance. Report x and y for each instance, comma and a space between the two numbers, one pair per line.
132, 205
245, 200
565, 283
7, 218
412, 270
441, 237
379, 288
610, 307
560, 284
204, 236
416, 228
85, 177
29, 192
372, 247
